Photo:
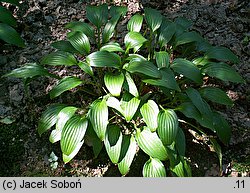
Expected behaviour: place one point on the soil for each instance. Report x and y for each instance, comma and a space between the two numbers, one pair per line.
25, 153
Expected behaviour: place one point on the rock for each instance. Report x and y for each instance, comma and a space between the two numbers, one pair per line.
4, 110
16, 95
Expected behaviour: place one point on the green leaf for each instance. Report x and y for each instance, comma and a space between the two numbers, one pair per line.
9, 35
153, 18
168, 126
180, 142
30, 70
166, 33
223, 72
151, 144
222, 54
188, 69
114, 83
216, 95
13, 2
198, 102
134, 40
63, 85
217, 149
86, 68
135, 23
80, 42
144, 67
129, 106
64, 115
49, 118
182, 169
97, 15
112, 47
188, 37
222, 128
154, 168
113, 142
64, 46
92, 139
103, 59
67, 158
130, 86
128, 152
59, 58
7, 17
162, 59
167, 80
98, 116
82, 27
149, 112
185, 23
118, 10
114, 103
109, 29
73, 133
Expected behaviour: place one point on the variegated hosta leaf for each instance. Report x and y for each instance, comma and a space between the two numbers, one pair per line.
135, 23
151, 144
114, 103
80, 42
64, 115
63, 85
130, 86
154, 168
114, 83
49, 118
67, 158
59, 58
129, 106
168, 126
73, 133
113, 142
127, 154
98, 116
149, 112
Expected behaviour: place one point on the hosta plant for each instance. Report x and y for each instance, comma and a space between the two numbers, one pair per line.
7, 25
147, 88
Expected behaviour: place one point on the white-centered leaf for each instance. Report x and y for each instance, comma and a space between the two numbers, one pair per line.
49, 118
67, 158
135, 23
151, 144
149, 112
112, 47
114, 83
130, 86
182, 169
129, 106
154, 168
73, 133
113, 142
128, 151
114, 103
168, 126
65, 84
59, 58
98, 116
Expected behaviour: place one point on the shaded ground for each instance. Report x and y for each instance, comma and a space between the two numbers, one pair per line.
24, 153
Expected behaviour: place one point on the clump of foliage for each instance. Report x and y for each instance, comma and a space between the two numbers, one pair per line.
7, 25
145, 89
